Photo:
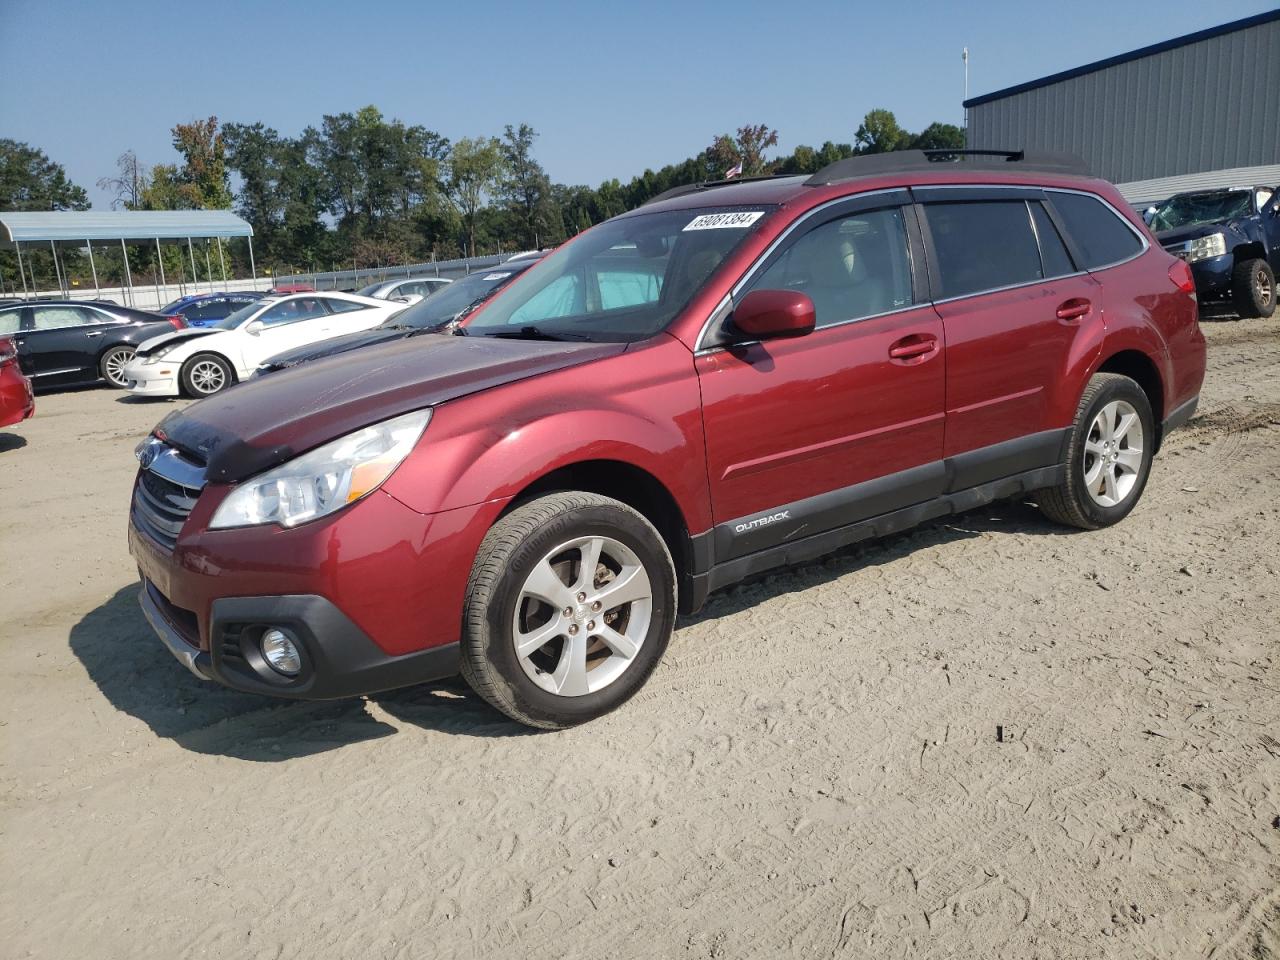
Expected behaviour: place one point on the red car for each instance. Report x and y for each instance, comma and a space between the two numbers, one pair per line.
17, 401
731, 378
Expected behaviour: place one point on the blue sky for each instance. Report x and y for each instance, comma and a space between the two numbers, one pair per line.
612, 88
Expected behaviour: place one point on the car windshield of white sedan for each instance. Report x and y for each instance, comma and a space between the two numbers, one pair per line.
241, 315
623, 280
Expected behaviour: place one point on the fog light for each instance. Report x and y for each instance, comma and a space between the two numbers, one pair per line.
281, 652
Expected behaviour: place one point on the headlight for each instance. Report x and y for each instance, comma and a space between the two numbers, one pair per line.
325, 480
1202, 248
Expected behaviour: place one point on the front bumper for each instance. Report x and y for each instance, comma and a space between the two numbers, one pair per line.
338, 659
1213, 275
152, 380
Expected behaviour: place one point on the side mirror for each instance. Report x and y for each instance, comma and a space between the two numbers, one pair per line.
254, 328
408, 299
774, 313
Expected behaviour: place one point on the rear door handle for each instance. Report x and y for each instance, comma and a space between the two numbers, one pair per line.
1074, 309
95, 333
916, 347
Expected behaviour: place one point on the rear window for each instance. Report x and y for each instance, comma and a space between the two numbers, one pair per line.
1098, 232
982, 245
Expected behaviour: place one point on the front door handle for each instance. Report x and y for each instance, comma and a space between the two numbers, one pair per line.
1074, 309
914, 348
95, 333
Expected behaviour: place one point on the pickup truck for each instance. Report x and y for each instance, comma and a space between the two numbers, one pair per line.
1230, 238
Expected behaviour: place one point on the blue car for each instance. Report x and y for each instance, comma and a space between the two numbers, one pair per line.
206, 309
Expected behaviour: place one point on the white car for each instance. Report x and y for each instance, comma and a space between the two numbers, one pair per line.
201, 361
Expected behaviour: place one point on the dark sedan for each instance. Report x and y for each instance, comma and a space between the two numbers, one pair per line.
432, 314
65, 342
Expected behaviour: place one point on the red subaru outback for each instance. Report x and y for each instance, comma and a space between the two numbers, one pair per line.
731, 378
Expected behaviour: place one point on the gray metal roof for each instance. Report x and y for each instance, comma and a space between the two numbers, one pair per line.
77, 226
1140, 193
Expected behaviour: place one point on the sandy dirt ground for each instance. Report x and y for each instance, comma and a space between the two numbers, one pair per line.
814, 770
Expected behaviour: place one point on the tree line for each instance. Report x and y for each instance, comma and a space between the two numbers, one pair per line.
362, 190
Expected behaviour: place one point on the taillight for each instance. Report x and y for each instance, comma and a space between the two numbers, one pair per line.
8, 352
178, 321
1181, 276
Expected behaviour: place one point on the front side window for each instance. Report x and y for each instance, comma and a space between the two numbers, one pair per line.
58, 318
982, 245
290, 311
622, 281
854, 267
1098, 232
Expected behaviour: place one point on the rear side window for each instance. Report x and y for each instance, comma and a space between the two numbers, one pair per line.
10, 320
1099, 234
982, 245
1053, 254
856, 266
344, 306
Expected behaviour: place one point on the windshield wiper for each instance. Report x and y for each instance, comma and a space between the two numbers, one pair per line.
534, 333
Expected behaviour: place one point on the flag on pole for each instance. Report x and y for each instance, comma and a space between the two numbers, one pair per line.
734, 171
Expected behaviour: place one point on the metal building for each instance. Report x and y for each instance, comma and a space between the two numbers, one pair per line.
1202, 110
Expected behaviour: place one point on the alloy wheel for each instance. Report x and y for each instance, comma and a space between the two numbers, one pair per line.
113, 366
582, 616
1113, 453
1265, 288
207, 376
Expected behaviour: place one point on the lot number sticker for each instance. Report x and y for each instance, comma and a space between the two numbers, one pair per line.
722, 221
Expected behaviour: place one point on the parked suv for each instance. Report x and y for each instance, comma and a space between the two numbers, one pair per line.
731, 378
1231, 238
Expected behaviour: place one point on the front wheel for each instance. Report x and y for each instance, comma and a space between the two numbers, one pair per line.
1109, 455
569, 608
1253, 288
205, 374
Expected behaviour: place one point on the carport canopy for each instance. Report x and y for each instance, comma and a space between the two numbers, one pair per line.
83, 228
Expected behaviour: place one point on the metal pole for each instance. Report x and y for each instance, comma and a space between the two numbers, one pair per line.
94, 267
222, 266
252, 269
163, 283
195, 274
208, 268
22, 273
56, 272
128, 275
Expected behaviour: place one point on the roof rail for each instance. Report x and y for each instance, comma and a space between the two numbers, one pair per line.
870, 165
710, 184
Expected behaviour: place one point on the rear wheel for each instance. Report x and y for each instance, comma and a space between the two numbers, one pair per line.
112, 365
205, 374
1253, 288
1108, 456
569, 608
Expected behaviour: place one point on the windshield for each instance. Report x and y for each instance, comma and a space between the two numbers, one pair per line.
240, 316
624, 280
1190, 209
453, 298
371, 289
170, 307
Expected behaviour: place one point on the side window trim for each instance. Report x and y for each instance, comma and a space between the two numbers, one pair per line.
1144, 244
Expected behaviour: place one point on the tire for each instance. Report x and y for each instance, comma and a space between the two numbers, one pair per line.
1253, 288
111, 366
205, 374
540, 686
1086, 499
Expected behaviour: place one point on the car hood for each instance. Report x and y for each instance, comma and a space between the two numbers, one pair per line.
265, 421
148, 347
1182, 234
333, 346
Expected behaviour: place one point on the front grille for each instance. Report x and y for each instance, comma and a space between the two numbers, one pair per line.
161, 507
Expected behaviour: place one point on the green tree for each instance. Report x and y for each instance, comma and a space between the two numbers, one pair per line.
880, 133
525, 187
475, 168
29, 180
939, 136
747, 148
202, 178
